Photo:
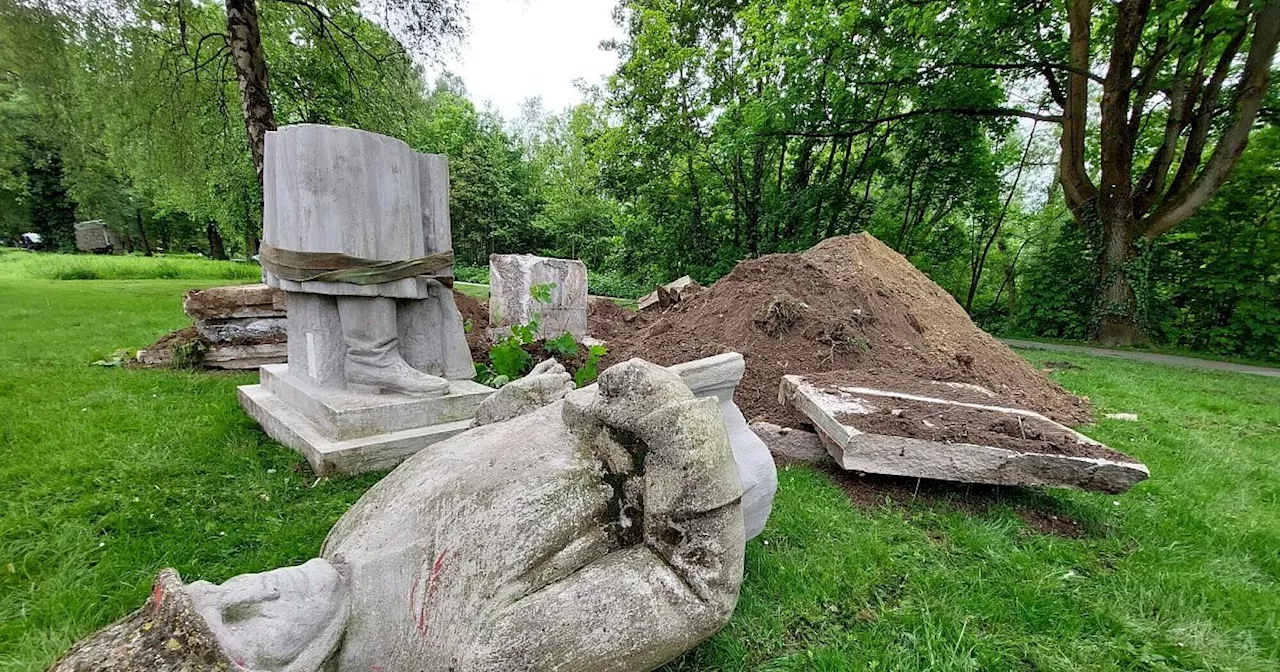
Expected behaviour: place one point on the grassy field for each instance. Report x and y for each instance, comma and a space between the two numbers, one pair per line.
109, 474
16, 264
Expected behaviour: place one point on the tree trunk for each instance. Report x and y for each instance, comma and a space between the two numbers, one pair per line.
142, 233
1118, 305
217, 249
251, 73
250, 231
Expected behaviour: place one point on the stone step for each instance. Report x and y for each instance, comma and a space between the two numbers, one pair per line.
327, 456
341, 414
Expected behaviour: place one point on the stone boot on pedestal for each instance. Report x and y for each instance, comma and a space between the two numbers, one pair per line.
373, 349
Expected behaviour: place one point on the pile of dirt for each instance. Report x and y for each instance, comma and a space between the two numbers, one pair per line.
849, 303
608, 321
475, 320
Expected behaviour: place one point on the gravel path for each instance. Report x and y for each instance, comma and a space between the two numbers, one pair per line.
1155, 358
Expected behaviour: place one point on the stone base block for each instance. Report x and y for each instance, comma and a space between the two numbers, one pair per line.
359, 412
348, 456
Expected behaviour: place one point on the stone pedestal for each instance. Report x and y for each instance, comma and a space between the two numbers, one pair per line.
512, 279
377, 369
356, 430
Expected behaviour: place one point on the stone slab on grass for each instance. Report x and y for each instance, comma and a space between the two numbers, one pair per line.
512, 278
856, 450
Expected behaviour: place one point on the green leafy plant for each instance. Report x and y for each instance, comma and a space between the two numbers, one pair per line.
586, 374
564, 345
541, 292
117, 358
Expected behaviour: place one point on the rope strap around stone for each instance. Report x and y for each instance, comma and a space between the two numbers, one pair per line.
338, 267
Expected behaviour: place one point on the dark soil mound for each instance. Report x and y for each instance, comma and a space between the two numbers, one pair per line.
608, 321
475, 319
849, 303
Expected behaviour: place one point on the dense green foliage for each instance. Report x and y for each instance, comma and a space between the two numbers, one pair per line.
730, 129
112, 473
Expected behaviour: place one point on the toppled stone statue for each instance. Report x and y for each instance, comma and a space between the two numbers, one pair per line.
603, 531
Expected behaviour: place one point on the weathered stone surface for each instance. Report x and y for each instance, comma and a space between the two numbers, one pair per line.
244, 330
236, 301
242, 357
902, 456
291, 615
718, 376
166, 635
342, 430
511, 302
96, 236
715, 377
342, 190
375, 372
601, 532
546, 383
787, 444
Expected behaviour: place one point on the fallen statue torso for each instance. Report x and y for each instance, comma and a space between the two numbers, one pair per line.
601, 532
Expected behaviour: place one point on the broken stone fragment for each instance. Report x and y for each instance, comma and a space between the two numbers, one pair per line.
524, 288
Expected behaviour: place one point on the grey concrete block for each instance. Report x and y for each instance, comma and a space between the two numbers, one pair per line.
791, 445
326, 455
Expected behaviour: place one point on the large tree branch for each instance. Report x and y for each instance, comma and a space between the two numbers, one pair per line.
1253, 89
867, 126
1116, 142
1198, 137
1177, 117
1076, 185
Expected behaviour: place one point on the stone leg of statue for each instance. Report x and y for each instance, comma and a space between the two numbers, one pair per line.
370, 332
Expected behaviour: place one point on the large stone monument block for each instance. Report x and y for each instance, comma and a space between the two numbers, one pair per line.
512, 279
356, 232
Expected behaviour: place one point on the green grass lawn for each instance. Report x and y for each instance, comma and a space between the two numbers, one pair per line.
109, 474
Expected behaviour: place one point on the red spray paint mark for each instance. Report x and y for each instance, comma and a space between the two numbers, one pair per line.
157, 596
419, 612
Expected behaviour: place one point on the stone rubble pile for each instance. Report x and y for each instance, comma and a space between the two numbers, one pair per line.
238, 327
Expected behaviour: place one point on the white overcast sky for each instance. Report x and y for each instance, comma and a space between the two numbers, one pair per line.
518, 49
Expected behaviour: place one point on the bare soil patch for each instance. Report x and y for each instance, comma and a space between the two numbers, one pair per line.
948, 423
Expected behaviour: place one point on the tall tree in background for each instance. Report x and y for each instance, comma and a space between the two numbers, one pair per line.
1162, 99
423, 25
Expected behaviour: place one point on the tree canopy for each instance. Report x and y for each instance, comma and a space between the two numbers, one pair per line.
1064, 168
